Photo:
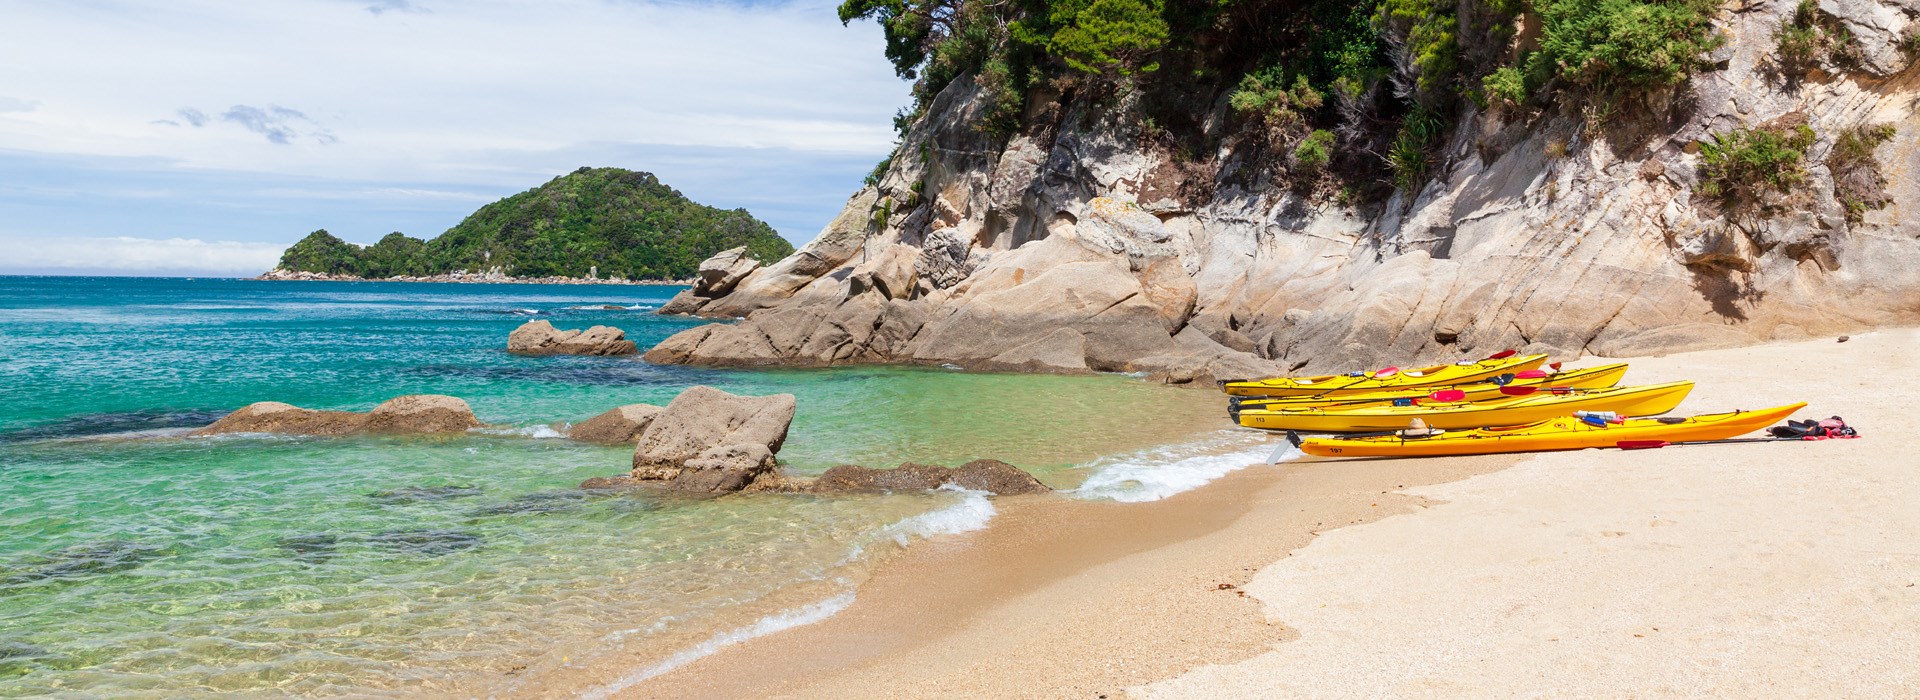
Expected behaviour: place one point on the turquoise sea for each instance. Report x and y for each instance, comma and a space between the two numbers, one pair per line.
138, 562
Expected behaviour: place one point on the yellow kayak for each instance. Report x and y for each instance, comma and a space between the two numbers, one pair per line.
1563, 433
1385, 379
1647, 400
1589, 378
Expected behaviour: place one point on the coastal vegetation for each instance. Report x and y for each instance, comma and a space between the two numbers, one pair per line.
1750, 166
1332, 88
1857, 180
607, 222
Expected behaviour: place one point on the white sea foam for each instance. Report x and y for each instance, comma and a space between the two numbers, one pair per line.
537, 432
970, 513
611, 307
1155, 474
770, 624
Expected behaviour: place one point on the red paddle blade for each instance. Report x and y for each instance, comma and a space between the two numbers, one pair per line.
1556, 365
1518, 390
1386, 372
1530, 374
1642, 444
1449, 395
1503, 354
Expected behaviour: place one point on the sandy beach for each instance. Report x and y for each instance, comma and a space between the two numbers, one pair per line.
1725, 569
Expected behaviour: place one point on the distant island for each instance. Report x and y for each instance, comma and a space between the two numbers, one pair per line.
593, 224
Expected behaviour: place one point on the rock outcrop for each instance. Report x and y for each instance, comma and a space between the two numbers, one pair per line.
417, 414
287, 419
1082, 244
618, 426
541, 338
707, 440
989, 475
718, 276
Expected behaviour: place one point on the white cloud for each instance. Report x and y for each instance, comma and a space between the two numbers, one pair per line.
122, 255
466, 93
225, 120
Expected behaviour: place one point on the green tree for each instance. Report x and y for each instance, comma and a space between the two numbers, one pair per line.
618, 222
1107, 37
322, 252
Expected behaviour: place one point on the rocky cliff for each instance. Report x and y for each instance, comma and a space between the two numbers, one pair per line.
1082, 243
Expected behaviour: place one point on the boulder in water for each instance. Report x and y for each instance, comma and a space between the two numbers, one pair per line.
723, 469
620, 425
276, 417
989, 475
708, 440
541, 338
417, 414
422, 414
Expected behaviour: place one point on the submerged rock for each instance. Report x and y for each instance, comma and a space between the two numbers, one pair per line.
989, 475
620, 425
415, 494
534, 503
610, 482
113, 422
428, 542
417, 414
84, 560
315, 546
541, 338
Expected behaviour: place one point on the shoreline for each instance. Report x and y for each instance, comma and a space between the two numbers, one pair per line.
1059, 596
947, 602
457, 278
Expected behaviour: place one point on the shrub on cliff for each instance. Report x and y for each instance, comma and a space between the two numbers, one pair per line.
1314, 153
1746, 167
1810, 35
1615, 48
1857, 180
1428, 54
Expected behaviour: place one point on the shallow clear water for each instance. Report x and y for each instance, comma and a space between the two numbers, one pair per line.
134, 561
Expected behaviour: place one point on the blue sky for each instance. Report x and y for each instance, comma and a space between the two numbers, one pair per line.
198, 137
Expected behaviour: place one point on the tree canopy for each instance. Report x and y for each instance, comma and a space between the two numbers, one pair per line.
619, 223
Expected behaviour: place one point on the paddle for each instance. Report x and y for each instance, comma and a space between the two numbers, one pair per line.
1442, 396
1525, 390
1281, 451
1657, 444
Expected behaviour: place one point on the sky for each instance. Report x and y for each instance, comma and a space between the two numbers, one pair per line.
197, 137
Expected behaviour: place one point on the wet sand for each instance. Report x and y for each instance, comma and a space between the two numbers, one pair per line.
1782, 564
1058, 597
